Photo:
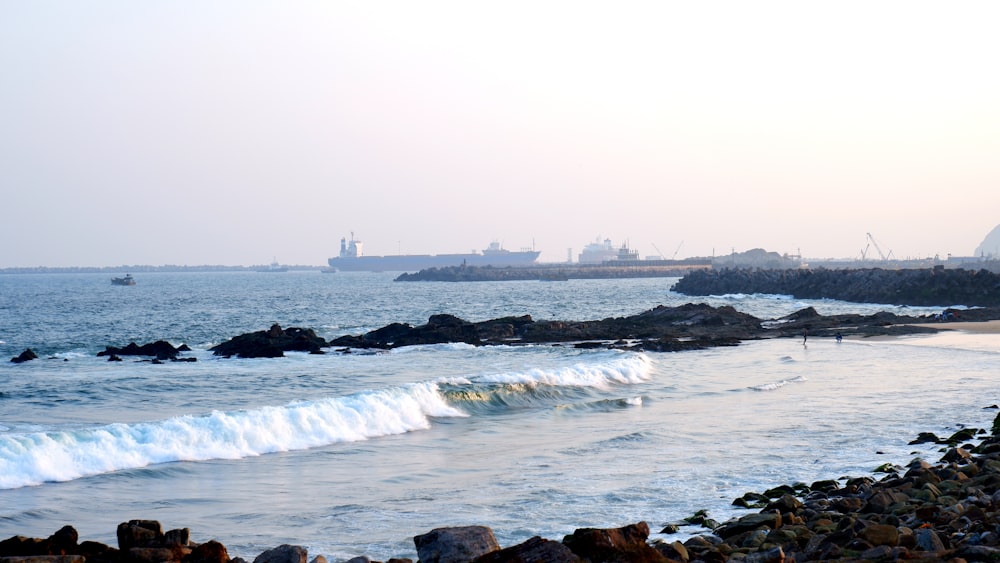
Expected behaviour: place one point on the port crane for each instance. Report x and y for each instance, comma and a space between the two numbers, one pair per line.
885, 257
664, 256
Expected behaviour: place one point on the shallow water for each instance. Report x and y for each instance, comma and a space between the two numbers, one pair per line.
355, 454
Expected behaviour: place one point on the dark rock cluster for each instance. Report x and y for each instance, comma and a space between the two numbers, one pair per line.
661, 329
926, 287
161, 350
271, 343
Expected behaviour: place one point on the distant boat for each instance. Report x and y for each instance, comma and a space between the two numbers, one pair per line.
127, 280
274, 267
352, 259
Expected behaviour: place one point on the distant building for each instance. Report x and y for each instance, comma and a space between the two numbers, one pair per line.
597, 252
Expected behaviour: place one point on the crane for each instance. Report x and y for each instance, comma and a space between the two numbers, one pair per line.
879, 249
678, 249
662, 257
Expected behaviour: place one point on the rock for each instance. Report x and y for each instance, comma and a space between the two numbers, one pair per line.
25, 356
161, 350
627, 543
749, 523
317, 559
672, 550
19, 546
535, 550
928, 540
283, 554
138, 533
880, 534
459, 544
773, 555
272, 343
156, 554
208, 552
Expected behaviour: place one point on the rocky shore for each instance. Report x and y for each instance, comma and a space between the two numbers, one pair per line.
662, 329
946, 510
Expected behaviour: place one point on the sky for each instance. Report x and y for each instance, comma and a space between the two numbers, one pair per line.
190, 132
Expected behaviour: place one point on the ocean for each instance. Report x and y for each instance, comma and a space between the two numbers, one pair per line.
354, 454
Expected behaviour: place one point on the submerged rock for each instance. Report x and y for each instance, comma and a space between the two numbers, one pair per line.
25, 356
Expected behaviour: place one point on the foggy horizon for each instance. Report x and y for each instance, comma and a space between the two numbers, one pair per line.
237, 133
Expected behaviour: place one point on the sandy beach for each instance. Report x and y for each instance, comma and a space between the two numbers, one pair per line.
979, 327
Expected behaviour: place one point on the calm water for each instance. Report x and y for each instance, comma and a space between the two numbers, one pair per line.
355, 454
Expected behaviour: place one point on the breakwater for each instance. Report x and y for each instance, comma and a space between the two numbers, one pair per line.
560, 272
927, 287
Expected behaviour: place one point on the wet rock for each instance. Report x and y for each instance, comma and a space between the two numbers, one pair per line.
138, 533
627, 543
161, 350
208, 552
25, 356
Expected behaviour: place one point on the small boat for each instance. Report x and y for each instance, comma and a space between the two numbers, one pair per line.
274, 267
127, 280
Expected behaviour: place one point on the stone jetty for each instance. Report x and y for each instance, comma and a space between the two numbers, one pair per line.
926, 287
560, 272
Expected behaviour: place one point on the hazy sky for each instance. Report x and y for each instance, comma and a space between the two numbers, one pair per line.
234, 132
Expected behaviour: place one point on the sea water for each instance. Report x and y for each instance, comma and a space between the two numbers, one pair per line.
354, 454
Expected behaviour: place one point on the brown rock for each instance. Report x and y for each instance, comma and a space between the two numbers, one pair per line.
156, 554
138, 533
208, 552
627, 543
880, 534
18, 546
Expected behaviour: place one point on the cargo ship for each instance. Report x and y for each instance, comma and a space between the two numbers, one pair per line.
353, 259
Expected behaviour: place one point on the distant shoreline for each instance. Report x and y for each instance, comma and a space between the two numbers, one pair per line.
148, 269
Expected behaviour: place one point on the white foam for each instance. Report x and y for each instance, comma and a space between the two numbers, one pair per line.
778, 384
38, 457
627, 369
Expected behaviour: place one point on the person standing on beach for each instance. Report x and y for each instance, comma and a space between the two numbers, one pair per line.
805, 335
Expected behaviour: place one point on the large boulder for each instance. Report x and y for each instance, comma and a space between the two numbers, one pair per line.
459, 544
284, 554
627, 543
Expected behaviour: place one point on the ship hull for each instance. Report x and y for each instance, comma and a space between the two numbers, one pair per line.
417, 262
